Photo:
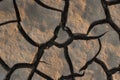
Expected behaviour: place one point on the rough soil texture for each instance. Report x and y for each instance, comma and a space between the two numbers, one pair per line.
40, 23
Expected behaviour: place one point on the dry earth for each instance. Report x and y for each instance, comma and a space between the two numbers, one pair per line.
40, 23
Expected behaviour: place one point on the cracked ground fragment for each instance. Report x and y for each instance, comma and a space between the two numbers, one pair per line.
51, 42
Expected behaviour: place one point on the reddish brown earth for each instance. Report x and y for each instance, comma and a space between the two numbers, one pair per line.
40, 23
